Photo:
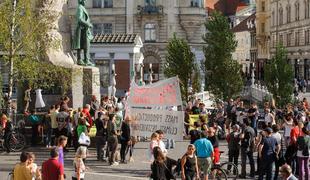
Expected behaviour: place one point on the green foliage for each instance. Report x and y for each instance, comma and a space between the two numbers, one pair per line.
223, 74
196, 83
279, 77
25, 37
180, 62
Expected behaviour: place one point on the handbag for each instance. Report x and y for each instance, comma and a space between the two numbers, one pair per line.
84, 139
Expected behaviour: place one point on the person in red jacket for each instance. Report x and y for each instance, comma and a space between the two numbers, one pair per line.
86, 114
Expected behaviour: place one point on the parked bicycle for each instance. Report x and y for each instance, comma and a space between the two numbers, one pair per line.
227, 170
15, 140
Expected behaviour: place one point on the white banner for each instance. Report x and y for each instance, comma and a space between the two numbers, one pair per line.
147, 121
162, 93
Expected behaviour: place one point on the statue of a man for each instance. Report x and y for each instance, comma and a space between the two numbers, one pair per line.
83, 34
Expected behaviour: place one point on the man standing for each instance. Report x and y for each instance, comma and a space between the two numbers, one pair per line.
268, 152
21, 171
233, 140
52, 169
204, 151
247, 148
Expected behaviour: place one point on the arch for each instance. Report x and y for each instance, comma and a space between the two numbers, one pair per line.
151, 55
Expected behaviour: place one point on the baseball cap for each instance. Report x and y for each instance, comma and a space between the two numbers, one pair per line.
268, 130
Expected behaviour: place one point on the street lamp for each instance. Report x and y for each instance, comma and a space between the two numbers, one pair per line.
253, 74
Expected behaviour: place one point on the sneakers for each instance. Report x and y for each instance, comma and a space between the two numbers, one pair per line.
115, 164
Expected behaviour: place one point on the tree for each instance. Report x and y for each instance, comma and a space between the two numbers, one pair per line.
279, 77
24, 27
180, 62
222, 73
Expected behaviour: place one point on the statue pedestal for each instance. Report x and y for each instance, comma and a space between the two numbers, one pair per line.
85, 83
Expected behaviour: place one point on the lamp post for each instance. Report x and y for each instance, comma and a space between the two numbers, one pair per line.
253, 74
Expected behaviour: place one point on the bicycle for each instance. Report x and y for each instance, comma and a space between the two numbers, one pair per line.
227, 170
16, 140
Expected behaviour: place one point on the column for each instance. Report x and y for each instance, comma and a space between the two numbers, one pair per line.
132, 67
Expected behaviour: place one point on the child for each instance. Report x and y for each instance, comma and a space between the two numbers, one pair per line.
79, 165
35, 171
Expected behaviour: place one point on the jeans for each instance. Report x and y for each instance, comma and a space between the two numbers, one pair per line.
233, 157
266, 167
100, 143
244, 155
48, 137
124, 145
34, 134
303, 163
170, 144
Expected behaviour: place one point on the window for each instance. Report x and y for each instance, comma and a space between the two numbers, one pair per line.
105, 28
150, 32
280, 16
150, 2
281, 39
307, 37
297, 11
196, 3
297, 38
307, 9
288, 8
263, 6
273, 21
263, 28
102, 3
289, 39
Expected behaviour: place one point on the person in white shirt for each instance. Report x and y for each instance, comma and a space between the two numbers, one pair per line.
287, 125
269, 117
161, 143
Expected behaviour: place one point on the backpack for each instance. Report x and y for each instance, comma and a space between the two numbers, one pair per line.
303, 145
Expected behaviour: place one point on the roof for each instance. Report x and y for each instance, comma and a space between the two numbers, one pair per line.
243, 25
115, 38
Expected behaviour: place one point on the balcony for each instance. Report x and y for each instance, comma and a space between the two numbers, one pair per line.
150, 9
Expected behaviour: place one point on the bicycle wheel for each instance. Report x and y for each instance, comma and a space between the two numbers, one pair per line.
217, 173
230, 169
17, 141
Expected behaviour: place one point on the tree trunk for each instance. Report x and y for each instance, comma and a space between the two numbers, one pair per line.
11, 58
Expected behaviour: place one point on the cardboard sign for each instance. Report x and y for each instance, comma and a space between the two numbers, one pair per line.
162, 93
147, 121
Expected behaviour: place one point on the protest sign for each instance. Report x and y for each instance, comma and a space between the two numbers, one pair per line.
162, 93
147, 121
194, 118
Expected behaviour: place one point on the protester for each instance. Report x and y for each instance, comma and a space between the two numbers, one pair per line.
52, 169
287, 125
205, 154
34, 119
154, 143
303, 154
247, 147
79, 166
189, 164
112, 139
268, 152
62, 120
62, 142
35, 171
161, 142
125, 138
278, 137
54, 123
215, 143
21, 170
286, 172
47, 127
162, 166
100, 135
233, 140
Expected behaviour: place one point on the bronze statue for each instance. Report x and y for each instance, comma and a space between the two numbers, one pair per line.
83, 34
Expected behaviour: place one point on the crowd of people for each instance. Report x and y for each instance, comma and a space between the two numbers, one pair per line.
247, 131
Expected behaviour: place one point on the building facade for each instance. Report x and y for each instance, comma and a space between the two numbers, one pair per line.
155, 21
290, 25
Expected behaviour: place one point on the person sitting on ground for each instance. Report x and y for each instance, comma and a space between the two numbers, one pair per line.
286, 172
189, 164
52, 169
21, 170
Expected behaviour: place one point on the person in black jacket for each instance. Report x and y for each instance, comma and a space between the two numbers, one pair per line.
125, 138
162, 166
101, 137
